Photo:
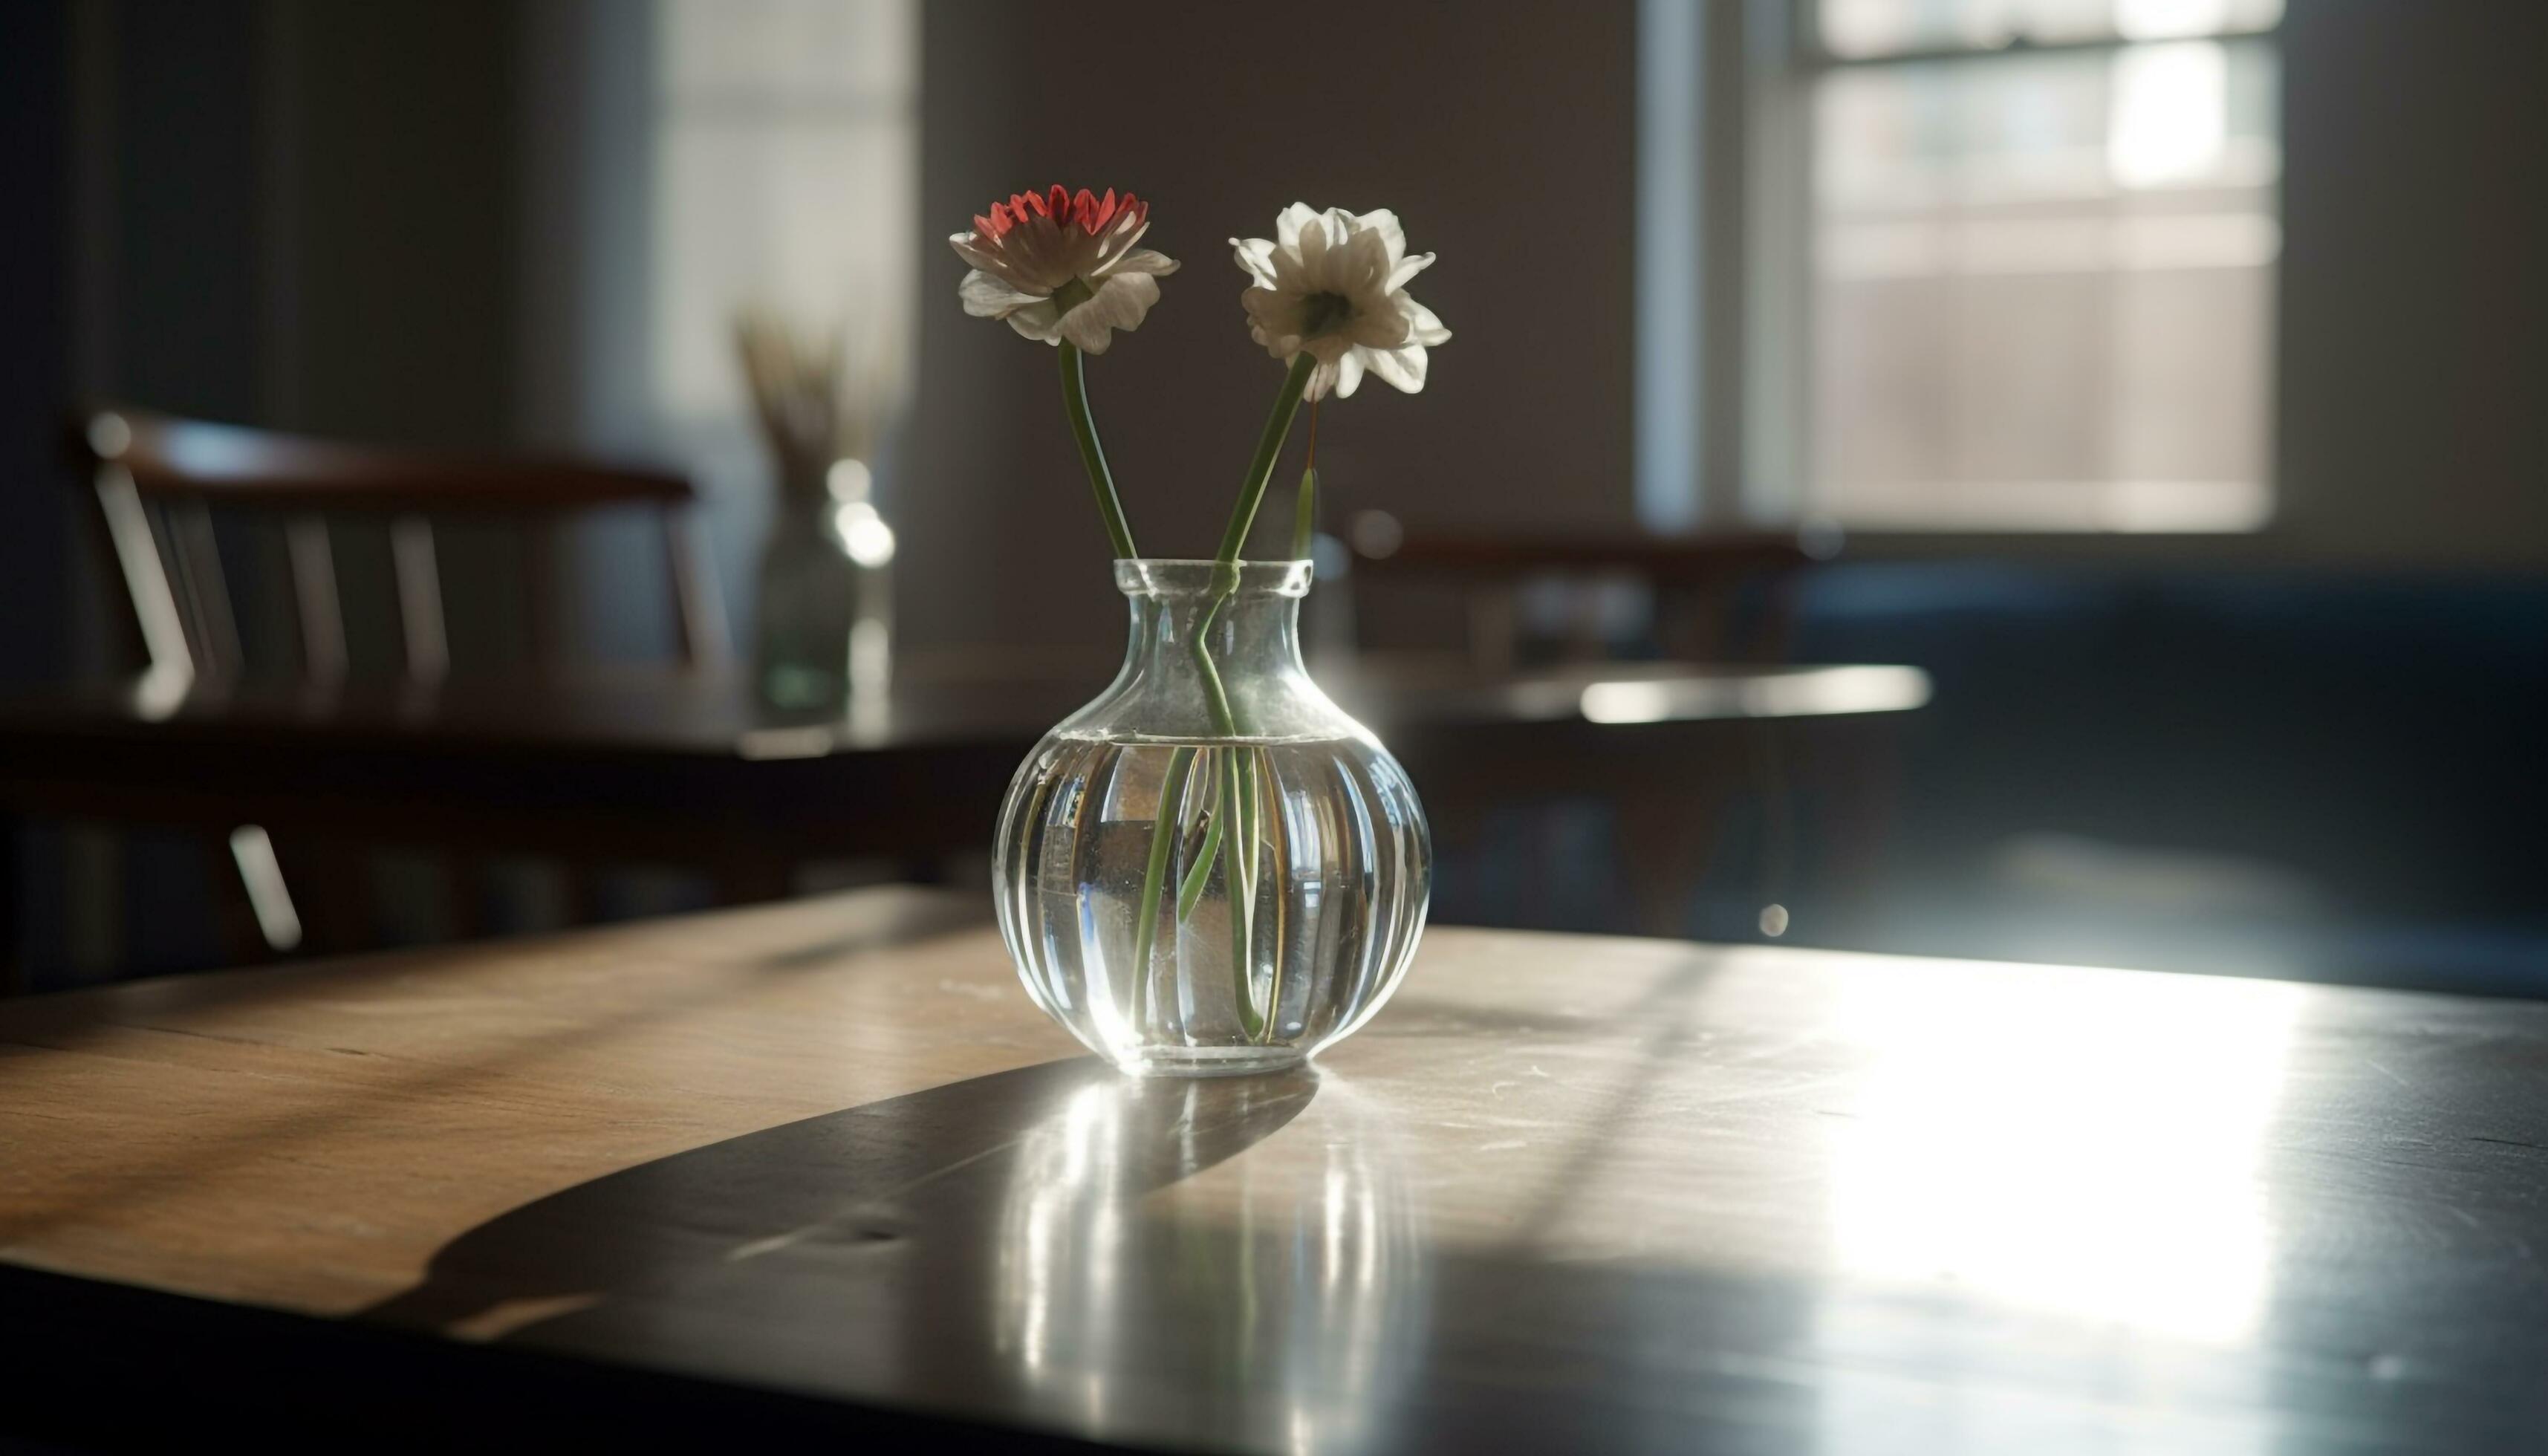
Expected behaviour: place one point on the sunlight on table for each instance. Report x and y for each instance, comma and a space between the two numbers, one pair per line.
2083, 1148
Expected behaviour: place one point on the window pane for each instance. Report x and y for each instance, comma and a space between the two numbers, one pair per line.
785, 177
2041, 287
767, 51
809, 221
1870, 28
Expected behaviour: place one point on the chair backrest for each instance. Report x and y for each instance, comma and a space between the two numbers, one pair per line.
157, 479
1694, 580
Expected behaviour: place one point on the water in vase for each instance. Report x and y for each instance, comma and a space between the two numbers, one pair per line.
1294, 887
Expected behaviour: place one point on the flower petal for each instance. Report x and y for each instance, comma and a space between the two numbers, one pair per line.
1321, 379
1274, 319
1348, 374
987, 296
1142, 260
1120, 232
1365, 268
1121, 302
1384, 223
1421, 327
1035, 321
1255, 258
1288, 225
1407, 269
1314, 244
1402, 369
1378, 323
975, 249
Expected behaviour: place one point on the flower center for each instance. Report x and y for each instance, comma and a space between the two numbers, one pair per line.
1322, 313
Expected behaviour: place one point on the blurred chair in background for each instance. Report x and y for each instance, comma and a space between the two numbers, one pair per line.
159, 480
1727, 814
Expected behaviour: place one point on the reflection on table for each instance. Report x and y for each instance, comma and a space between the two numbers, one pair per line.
1565, 1193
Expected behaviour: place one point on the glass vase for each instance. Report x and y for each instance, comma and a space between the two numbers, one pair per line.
1211, 868
824, 628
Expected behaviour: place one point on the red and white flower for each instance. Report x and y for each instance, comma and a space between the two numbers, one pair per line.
1335, 285
1063, 268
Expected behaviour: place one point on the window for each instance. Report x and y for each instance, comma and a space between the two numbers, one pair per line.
787, 176
2009, 264
699, 158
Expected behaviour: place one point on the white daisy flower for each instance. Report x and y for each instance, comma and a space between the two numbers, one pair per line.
1335, 285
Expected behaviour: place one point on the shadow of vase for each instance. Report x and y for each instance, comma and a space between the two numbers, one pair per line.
854, 1251
1030, 1247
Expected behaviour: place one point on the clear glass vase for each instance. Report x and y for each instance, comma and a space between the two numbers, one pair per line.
1194, 901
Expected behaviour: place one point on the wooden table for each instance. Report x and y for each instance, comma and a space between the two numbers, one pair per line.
689, 769
819, 1170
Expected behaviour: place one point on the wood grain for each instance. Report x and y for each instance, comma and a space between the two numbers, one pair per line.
1565, 1193
307, 1137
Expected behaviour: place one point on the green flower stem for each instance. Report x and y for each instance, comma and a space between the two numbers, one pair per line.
1236, 778
1252, 491
1092, 455
1190, 893
1251, 1022
1238, 783
1251, 494
1163, 837
1305, 515
1244, 861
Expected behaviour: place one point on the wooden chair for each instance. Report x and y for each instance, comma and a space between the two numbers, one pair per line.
1696, 584
158, 481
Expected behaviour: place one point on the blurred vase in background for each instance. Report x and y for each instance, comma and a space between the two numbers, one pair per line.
824, 632
825, 618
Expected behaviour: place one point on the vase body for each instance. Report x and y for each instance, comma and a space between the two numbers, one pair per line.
824, 609
1285, 866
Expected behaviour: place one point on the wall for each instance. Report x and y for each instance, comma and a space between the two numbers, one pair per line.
304, 215
2414, 412
1502, 133
301, 215
392, 129
34, 343
317, 215
2415, 205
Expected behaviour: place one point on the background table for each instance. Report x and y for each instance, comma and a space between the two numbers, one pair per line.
819, 1170
689, 769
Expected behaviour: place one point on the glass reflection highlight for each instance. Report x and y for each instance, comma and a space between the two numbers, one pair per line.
1285, 1276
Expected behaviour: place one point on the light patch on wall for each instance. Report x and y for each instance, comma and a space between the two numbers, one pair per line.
787, 176
2172, 112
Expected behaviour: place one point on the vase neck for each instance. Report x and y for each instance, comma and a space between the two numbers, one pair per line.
1250, 630
1246, 621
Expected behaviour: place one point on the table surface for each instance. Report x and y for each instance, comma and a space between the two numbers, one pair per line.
654, 767
714, 714
1569, 1193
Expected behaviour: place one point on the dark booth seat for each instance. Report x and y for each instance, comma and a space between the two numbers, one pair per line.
2365, 747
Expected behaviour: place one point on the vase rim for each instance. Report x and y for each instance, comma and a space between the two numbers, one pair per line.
1168, 576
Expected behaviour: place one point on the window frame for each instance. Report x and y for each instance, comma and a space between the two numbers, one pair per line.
1753, 464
